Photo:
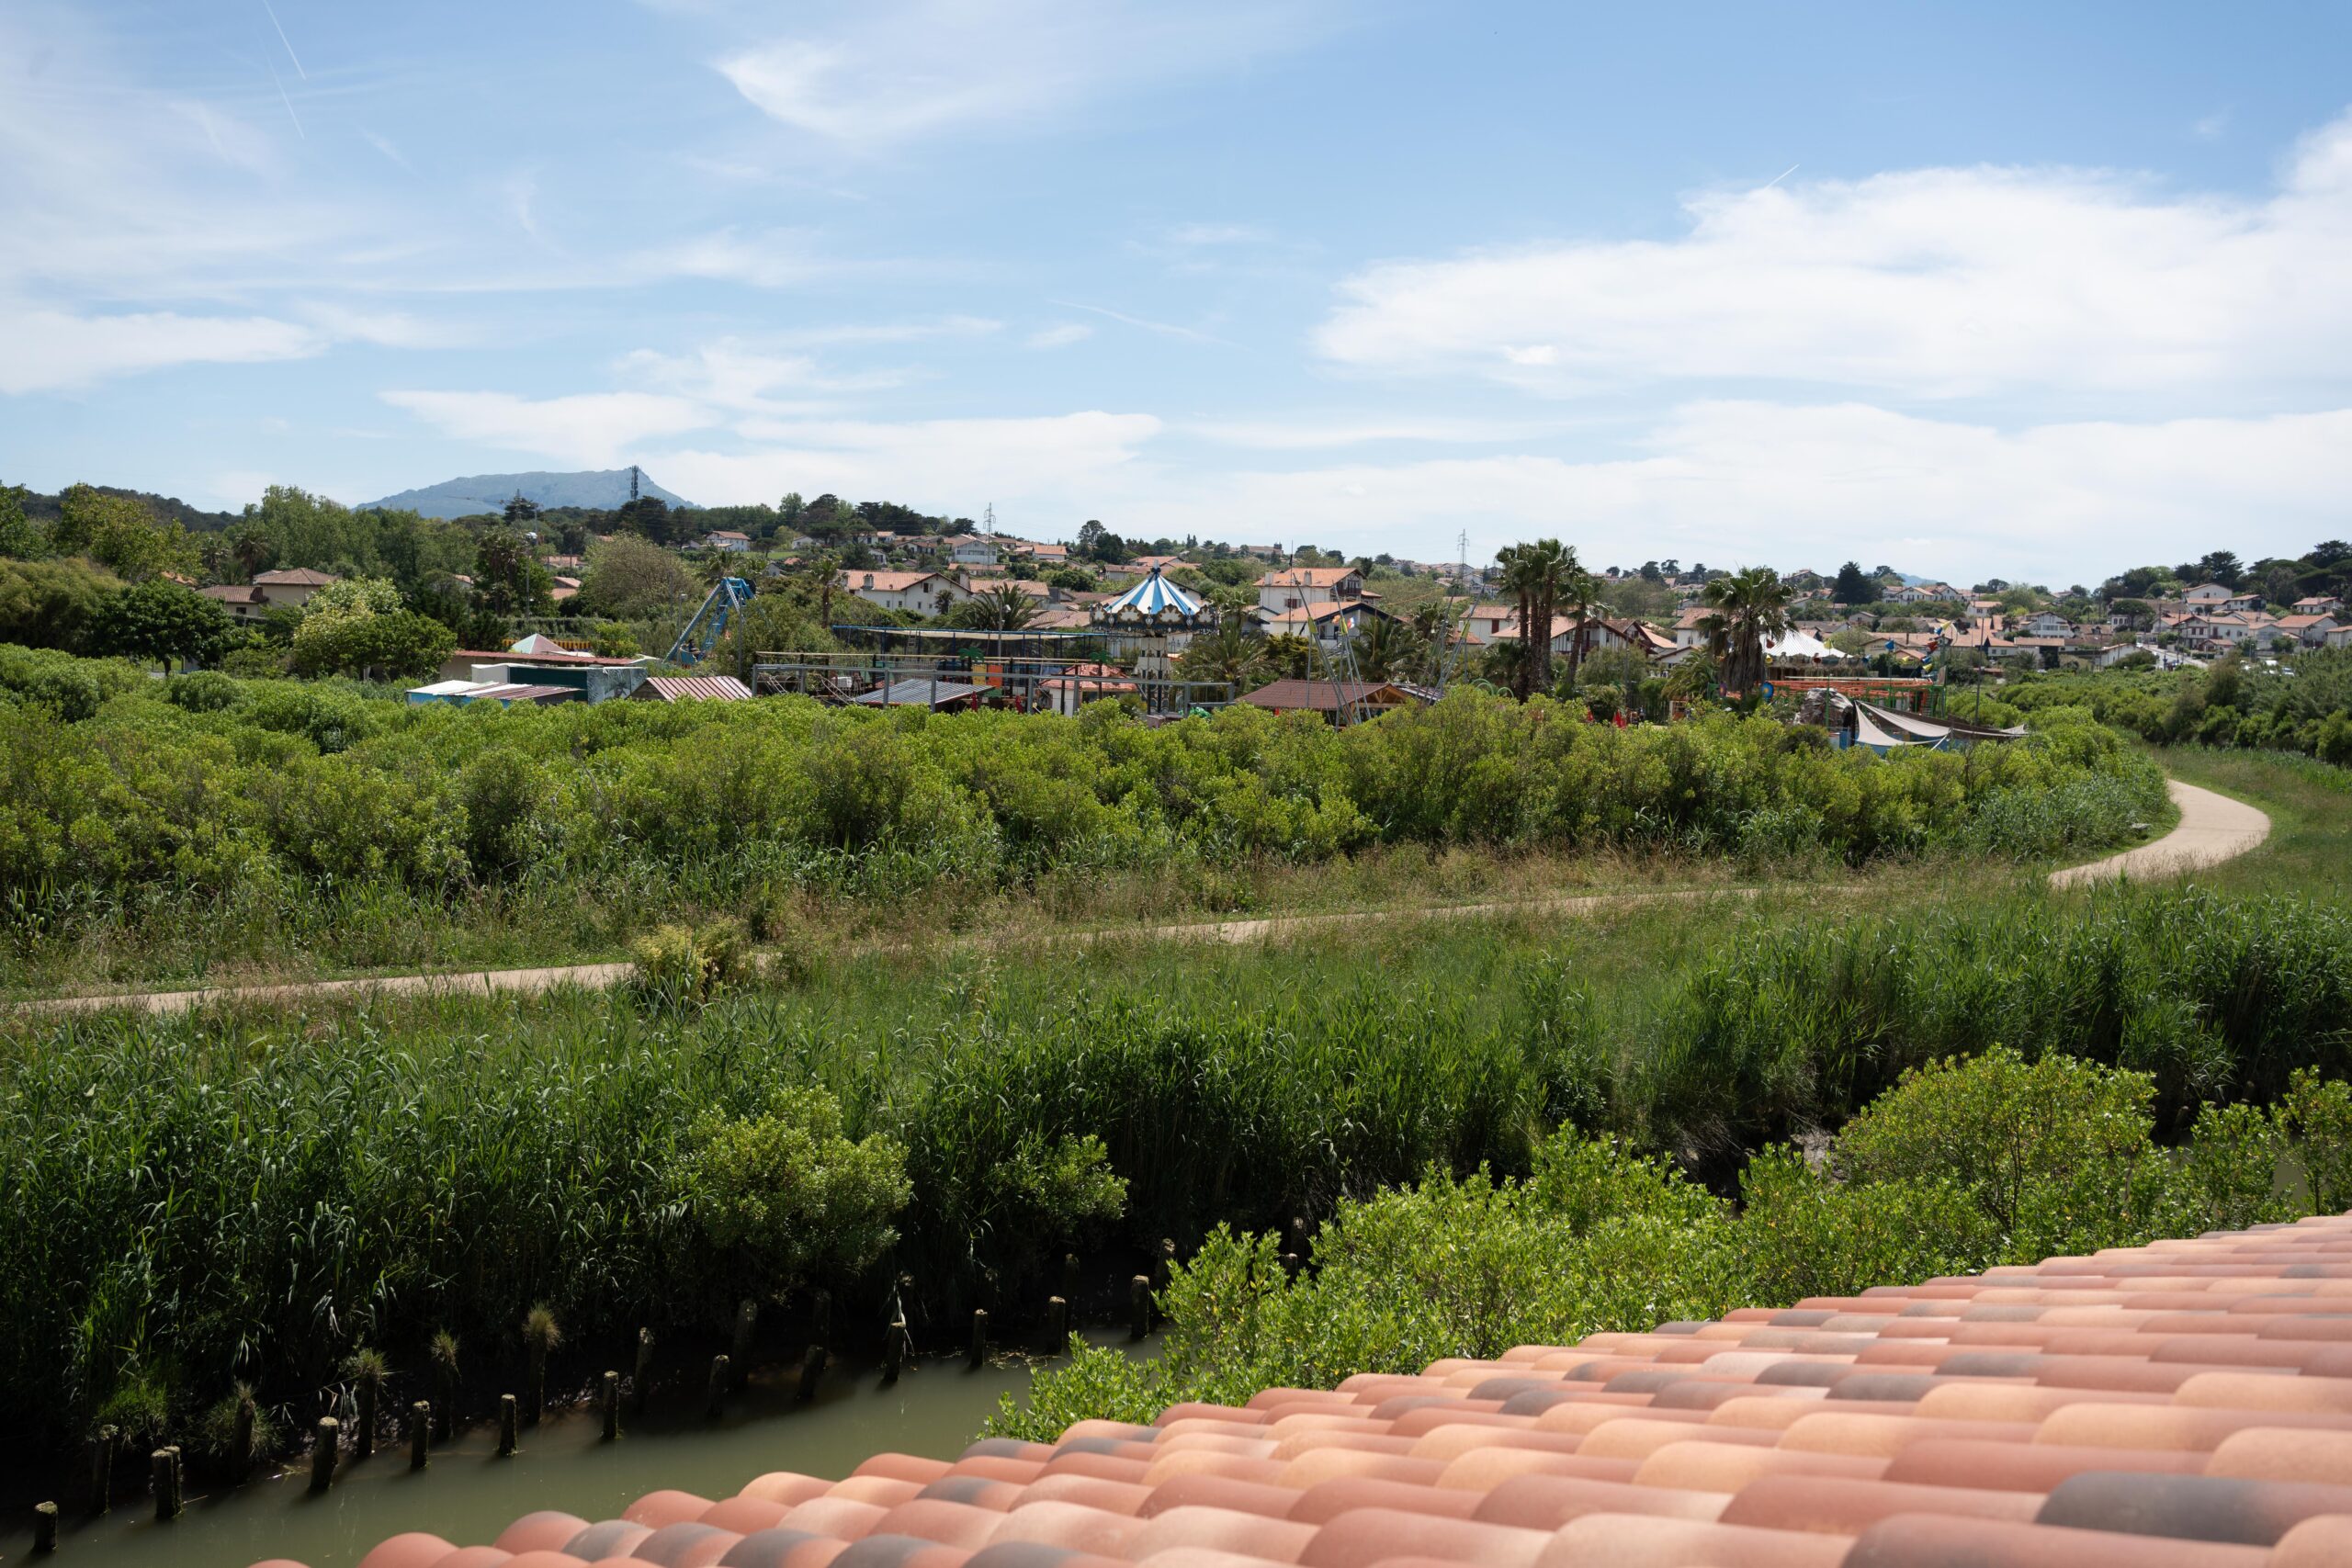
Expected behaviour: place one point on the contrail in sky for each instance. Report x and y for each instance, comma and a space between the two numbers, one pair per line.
280, 86
287, 42
1776, 179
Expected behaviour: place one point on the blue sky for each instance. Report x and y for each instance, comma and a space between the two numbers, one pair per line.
2028, 290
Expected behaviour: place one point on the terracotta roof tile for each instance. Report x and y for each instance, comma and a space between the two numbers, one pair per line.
2184, 1403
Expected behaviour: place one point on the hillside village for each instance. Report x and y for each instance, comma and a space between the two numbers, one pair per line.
645, 599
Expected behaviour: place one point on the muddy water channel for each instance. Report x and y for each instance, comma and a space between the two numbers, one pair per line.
467, 1494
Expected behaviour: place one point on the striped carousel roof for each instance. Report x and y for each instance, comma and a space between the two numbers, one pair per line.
1155, 599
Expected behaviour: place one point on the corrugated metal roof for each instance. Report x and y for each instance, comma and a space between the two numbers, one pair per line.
915, 693
682, 688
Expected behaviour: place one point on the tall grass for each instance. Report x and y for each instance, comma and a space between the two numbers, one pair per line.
247, 1195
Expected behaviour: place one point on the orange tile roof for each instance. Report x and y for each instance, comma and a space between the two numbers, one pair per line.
2185, 1405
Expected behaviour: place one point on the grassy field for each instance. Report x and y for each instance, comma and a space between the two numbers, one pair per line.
2309, 806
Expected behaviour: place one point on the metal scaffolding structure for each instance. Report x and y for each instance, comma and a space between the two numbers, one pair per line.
1025, 669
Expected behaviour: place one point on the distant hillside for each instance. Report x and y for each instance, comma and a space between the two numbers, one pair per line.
45, 509
600, 490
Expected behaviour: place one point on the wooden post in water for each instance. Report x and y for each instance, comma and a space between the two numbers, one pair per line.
612, 1406
644, 1387
240, 1462
420, 1434
1166, 1269
166, 1481
1058, 1324
719, 1379
980, 1336
747, 1319
44, 1528
363, 1441
322, 1453
1290, 1265
897, 1347
102, 1471
812, 1367
509, 1426
1069, 1276
1138, 1306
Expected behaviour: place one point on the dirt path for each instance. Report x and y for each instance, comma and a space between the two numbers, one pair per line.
2214, 827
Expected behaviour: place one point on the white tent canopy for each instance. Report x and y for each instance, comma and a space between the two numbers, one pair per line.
1801, 645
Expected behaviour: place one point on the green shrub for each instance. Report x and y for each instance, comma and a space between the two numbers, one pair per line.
691, 963
781, 1194
202, 691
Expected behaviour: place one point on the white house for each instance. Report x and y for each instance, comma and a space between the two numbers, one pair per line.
2312, 631
973, 549
727, 539
1297, 587
2320, 605
2047, 623
923, 592
2207, 596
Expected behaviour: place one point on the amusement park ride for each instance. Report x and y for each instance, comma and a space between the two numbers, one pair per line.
1028, 667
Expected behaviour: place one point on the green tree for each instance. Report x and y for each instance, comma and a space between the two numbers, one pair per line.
160, 622
1382, 648
1745, 611
1853, 586
120, 534
1577, 590
630, 577
1533, 573
20, 538
1003, 608
507, 580
53, 604
1229, 654
358, 626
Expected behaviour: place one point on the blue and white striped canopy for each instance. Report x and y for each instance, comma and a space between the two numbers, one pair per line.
1153, 602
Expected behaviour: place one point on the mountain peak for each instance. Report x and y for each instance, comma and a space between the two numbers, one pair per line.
598, 488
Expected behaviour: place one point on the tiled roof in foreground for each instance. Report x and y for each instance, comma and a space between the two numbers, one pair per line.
2188, 1403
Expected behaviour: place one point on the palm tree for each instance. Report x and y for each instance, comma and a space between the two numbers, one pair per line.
1532, 573
1382, 646
1003, 608
1229, 655
1745, 610
1579, 588
1291, 654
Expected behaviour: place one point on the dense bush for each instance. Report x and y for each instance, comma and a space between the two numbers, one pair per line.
2304, 704
287, 786
1960, 1166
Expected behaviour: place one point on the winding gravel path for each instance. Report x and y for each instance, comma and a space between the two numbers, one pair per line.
2214, 827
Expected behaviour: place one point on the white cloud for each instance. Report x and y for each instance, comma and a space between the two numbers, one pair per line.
1929, 283
1815, 485
774, 259
1061, 337
49, 350
1216, 234
735, 375
1364, 429
593, 429
887, 73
